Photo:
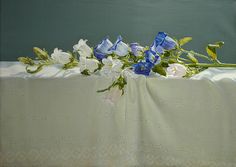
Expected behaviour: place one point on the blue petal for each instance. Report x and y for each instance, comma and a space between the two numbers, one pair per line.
152, 57
159, 49
99, 55
119, 47
104, 46
153, 46
143, 68
156, 48
160, 38
133, 45
135, 48
119, 39
168, 43
163, 41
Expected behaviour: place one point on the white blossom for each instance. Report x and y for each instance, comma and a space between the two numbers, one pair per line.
176, 70
112, 67
82, 48
60, 57
88, 64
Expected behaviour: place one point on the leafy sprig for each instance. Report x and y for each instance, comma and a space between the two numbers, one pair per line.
188, 58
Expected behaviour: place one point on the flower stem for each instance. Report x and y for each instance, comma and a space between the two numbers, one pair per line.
196, 54
183, 59
210, 65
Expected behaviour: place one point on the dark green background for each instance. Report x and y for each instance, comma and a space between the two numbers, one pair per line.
61, 23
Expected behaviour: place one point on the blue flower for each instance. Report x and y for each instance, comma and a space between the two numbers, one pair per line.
119, 47
156, 48
152, 57
143, 68
136, 49
102, 49
99, 56
163, 41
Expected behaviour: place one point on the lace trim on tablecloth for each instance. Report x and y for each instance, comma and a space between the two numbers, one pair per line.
102, 156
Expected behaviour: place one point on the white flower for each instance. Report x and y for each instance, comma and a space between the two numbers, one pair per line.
113, 95
112, 67
176, 70
128, 73
60, 57
82, 48
88, 64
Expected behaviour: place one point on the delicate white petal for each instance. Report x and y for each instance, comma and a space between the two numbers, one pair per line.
88, 64
111, 67
176, 70
92, 64
60, 57
127, 73
82, 48
107, 61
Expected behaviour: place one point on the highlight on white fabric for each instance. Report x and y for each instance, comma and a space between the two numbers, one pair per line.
16, 69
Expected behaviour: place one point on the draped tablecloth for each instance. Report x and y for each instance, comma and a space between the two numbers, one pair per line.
57, 119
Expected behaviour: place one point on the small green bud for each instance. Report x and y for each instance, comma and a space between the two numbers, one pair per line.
172, 60
26, 60
41, 54
192, 58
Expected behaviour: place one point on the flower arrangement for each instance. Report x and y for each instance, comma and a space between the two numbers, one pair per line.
165, 57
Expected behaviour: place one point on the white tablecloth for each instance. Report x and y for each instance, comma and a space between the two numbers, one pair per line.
56, 119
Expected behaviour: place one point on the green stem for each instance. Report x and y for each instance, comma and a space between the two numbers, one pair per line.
103, 90
210, 65
196, 54
183, 59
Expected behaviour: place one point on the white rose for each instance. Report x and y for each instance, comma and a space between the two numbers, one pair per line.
176, 70
82, 48
88, 64
60, 57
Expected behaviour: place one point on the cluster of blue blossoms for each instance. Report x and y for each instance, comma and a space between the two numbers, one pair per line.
161, 43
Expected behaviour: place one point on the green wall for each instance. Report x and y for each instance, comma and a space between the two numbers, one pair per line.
61, 23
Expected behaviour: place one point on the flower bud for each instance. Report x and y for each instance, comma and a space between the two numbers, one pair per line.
172, 60
41, 54
26, 60
192, 58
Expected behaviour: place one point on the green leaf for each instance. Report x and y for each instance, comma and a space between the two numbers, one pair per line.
166, 54
159, 69
85, 72
41, 54
211, 49
164, 64
26, 60
119, 82
184, 40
